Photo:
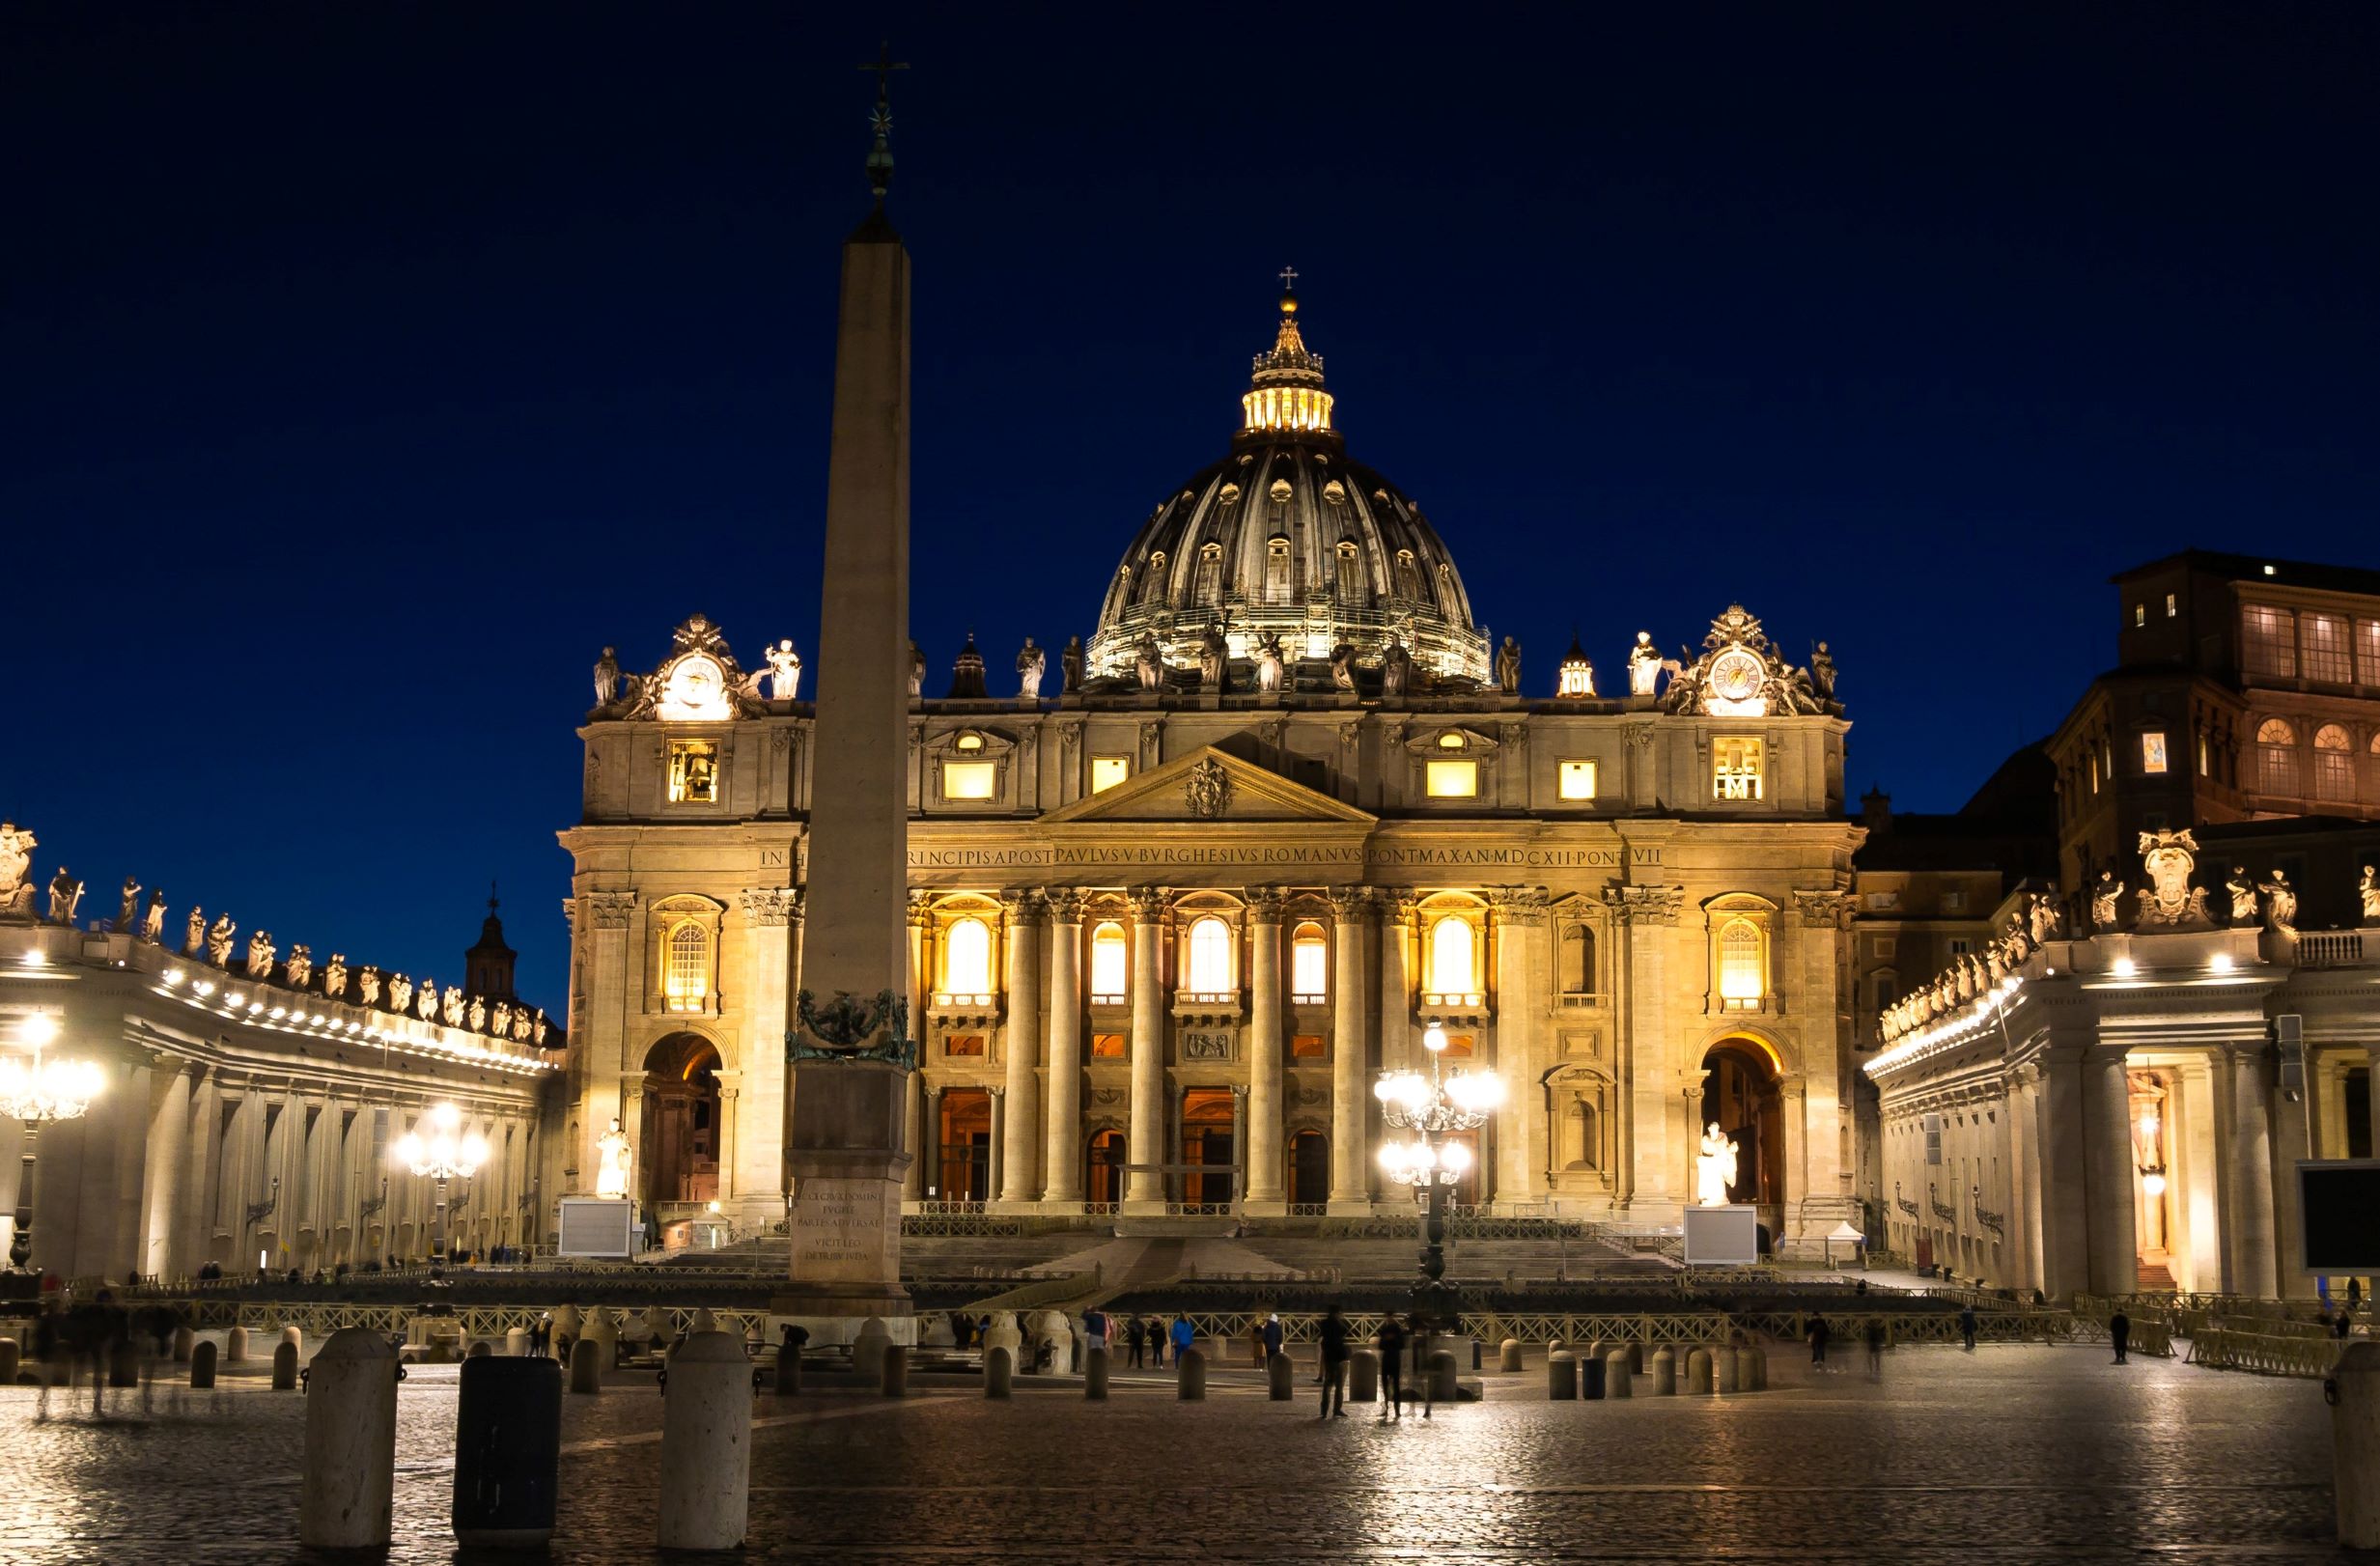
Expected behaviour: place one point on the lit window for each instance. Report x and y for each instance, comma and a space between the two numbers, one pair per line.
2204, 757
1210, 957
2268, 640
1107, 1046
1276, 571
967, 958
685, 967
2367, 651
2139, 614
1309, 963
1452, 970
1107, 771
969, 743
1450, 741
2152, 751
969, 779
2328, 657
1454, 779
1735, 768
2095, 771
1954, 901
2173, 607
1576, 779
1351, 573
1107, 963
1742, 982
694, 772
964, 1044
1306, 1047
2334, 764
2277, 770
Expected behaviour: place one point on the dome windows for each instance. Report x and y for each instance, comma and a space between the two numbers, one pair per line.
1280, 492
1335, 492
1229, 494
1277, 570
1210, 585
1350, 573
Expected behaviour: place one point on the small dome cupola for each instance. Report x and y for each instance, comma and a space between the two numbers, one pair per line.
1285, 394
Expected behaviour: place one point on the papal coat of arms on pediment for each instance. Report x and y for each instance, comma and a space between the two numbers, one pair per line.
1207, 789
2169, 901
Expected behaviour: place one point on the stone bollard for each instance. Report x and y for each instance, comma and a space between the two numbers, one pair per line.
1724, 1370
9, 1356
868, 1348
480, 1349
508, 1451
1363, 1376
202, 1365
1559, 1345
1444, 1382
348, 1483
893, 1370
704, 1320
1280, 1378
1618, 1381
1698, 1372
123, 1365
296, 1337
1597, 1349
999, 1369
2353, 1389
567, 1322
1746, 1370
1664, 1373
1095, 1375
516, 1342
1561, 1377
1636, 1359
604, 1333
1508, 1356
284, 1367
586, 1366
1190, 1376
185, 1340
706, 1444
1760, 1382
236, 1346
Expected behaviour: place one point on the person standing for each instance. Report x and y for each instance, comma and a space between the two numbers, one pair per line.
1967, 1326
1136, 1339
2120, 1333
1875, 1348
1819, 1343
1333, 1365
1391, 1341
1157, 1342
1268, 1338
1094, 1332
1183, 1334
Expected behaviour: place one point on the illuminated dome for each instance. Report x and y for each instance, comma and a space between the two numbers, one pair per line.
1286, 536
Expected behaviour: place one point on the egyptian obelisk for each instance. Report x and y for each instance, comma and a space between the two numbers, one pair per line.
849, 1044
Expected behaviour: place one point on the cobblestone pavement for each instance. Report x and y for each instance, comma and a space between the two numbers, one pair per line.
2007, 1455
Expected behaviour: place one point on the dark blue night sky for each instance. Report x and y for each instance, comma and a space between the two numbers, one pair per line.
371, 366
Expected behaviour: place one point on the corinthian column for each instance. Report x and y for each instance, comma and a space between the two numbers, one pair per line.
1264, 1194
1062, 1167
1351, 1098
1145, 1188
1520, 1053
1020, 1173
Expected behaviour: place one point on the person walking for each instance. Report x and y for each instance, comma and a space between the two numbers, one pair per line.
1137, 1340
1875, 1348
2120, 1333
1967, 1326
1094, 1332
1819, 1343
1333, 1365
1183, 1334
1391, 1341
1268, 1338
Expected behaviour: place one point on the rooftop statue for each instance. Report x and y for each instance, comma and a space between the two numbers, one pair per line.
65, 894
2103, 896
1031, 661
1508, 667
127, 910
1271, 666
2279, 902
1645, 666
153, 923
301, 966
2243, 892
1213, 659
1149, 663
1343, 668
2169, 901
1070, 667
784, 670
219, 941
916, 672
334, 976
17, 846
1822, 672
260, 955
194, 939
606, 678
2369, 890
1396, 667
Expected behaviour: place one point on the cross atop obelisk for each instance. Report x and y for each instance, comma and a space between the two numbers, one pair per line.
880, 157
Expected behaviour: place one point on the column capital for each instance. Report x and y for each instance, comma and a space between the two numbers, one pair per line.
920, 908
1264, 905
771, 906
1822, 909
612, 910
1645, 904
1518, 905
1065, 903
1149, 903
1020, 905
1349, 904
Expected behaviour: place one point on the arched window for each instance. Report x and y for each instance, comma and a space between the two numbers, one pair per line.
1452, 968
2277, 766
1351, 573
967, 958
686, 970
1408, 574
2334, 763
1276, 571
1153, 585
1577, 959
1309, 962
1743, 977
1210, 957
1587, 1149
1210, 587
1107, 962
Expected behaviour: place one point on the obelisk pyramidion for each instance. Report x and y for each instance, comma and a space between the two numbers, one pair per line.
849, 1047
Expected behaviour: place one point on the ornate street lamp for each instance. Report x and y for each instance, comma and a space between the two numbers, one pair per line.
444, 1156
36, 1093
1433, 1107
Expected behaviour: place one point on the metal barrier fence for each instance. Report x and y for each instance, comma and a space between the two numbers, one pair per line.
322, 1317
1847, 1328
2264, 1354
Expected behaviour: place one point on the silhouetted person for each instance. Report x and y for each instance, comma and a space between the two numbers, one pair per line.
2120, 1333
1333, 1365
1967, 1326
1391, 1342
1818, 1342
1875, 1348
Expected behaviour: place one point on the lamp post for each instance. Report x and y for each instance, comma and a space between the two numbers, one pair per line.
444, 1156
36, 1094
1433, 1107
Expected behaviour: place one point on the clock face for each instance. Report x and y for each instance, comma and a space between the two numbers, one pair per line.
1735, 681
696, 689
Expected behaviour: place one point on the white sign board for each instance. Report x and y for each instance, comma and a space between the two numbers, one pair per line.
603, 1226
1722, 1236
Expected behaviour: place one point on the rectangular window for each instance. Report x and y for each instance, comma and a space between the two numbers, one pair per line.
2202, 754
1954, 901
2327, 656
1107, 1046
1884, 902
1577, 780
2367, 651
1107, 771
1960, 945
1453, 779
2173, 607
1307, 1047
964, 1044
2139, 614
2334, 776
2152, 752
1308, 963
1882, 946
694, 772
1735, 768
1884, 992
969, 779
2268, 641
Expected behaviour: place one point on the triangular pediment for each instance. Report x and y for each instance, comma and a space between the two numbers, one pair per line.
1208, 785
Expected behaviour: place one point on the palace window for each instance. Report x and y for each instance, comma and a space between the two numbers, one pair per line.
686, 972
1107, 771
1307, 1047
694, 772
2268, 640
1276, 571
1577, 959
2334, 764
1107, 963
2152, 751
2139, 614
1107, 1046
1153, 585
2173, 607
964, 1044
1742, 976
967, 958
1210, 957
1309, 964
970, 779
2327, 654
2203, 757
2277, 757
1408, 574
1574, 779
2367, 651
1454, 968
1452, 779
1735, 768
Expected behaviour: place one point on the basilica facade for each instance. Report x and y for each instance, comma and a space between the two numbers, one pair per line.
1177, 902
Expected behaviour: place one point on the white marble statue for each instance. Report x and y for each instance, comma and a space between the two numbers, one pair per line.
1031, 663
452, 1010
260, 955
1508, 667
334, 976
301, 966
127, 910
611, 1175
1070, 667
2279, 902
539, 1027
1643, 666
219, 941
17, 846
503, 1019
1714, 1167
425, 1002
1271, 666
65, 894
1822, 673
195, 933
1213, 659
2368, 889
2243, 893
2103, 896
606, 679
400, 992
1396, 669
1343, 668
478, 1014
784, 670
916, 671
153, 923
1149, 663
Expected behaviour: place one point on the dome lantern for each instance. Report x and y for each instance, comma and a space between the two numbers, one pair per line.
1285, 393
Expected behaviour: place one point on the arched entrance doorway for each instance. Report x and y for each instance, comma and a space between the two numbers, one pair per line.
1206, 1139
1102, 1182
1741, 1096
1309, 1170
679, 1134
967, 1145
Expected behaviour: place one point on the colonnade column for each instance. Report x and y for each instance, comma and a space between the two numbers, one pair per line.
168, 1128
1263, 1191
1020, 1171
930, 1142
924, 1123
1062, 1164
2106, 1109
2292, 1140
1351, 1098
2249, 1262
998, 1167
1520, 1012
2058, 1104
1143, 1187
2023, 1238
